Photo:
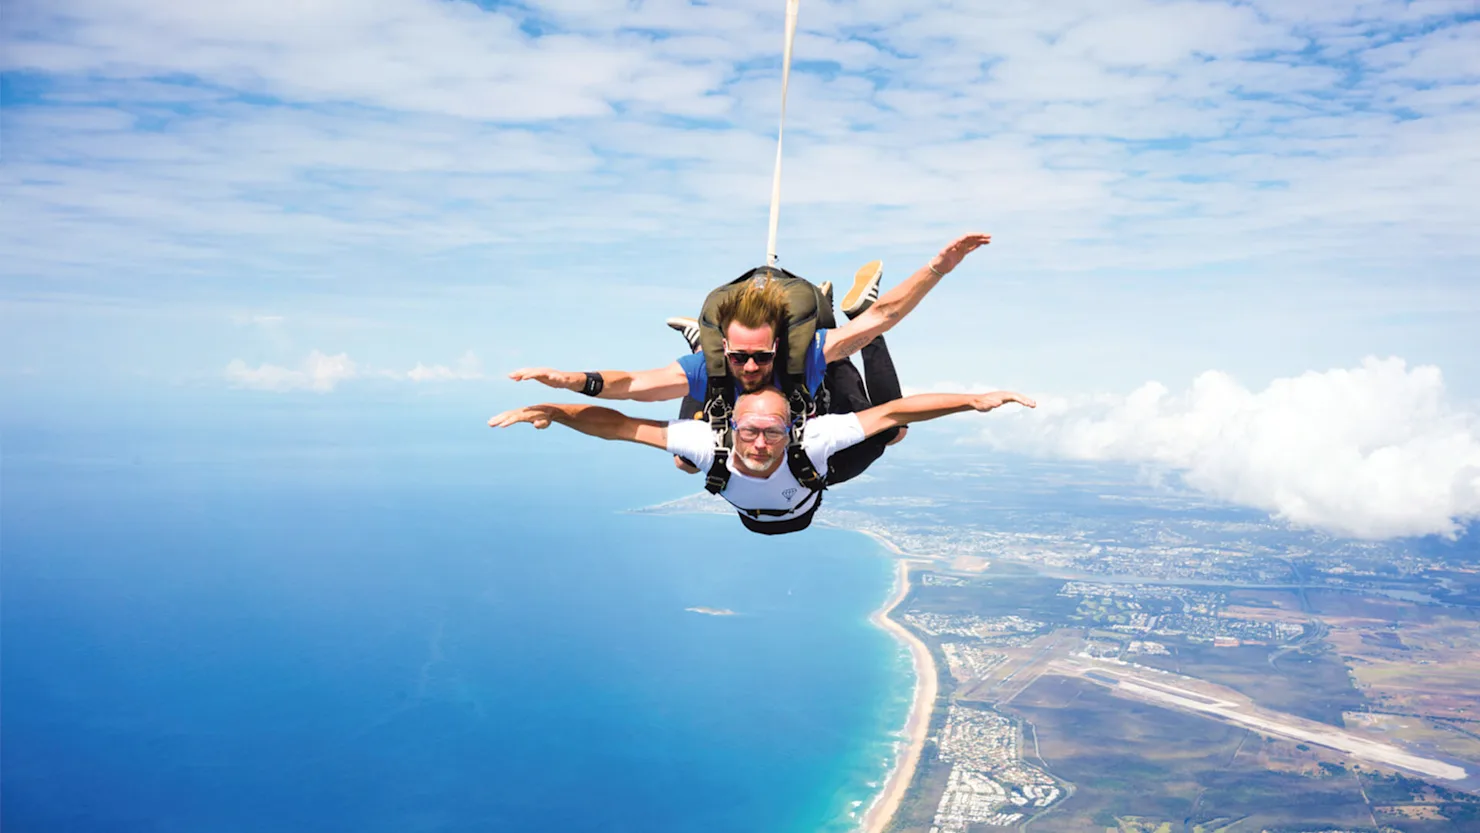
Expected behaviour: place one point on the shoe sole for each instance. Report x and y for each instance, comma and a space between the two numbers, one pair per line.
868, 274
688, 328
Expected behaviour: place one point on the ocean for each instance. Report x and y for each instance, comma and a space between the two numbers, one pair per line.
292, 617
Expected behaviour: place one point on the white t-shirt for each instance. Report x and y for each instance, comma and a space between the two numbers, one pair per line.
823, 437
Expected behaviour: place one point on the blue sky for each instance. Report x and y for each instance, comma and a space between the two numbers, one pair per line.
322, 196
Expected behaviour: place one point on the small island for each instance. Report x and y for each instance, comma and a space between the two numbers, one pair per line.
711, 611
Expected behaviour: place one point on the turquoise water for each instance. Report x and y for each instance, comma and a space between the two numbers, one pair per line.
238, 629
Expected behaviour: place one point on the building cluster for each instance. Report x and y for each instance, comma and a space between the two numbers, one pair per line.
1116, 614
988, 783
1194, 615
1136, 622
1190, 600
970, 661
1171, 558
966, 624
1227, 630
972, 798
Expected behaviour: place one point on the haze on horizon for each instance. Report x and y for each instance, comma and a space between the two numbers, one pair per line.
1234, 240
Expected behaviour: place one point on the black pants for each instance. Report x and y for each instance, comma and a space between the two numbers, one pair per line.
849, 393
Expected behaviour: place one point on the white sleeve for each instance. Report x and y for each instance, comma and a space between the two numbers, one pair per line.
827, 435
692, 440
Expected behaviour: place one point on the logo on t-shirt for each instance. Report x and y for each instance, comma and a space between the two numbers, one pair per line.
788, 493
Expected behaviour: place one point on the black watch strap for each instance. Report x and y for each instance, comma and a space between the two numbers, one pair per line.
594, 384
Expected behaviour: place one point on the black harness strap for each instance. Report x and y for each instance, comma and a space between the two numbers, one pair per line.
718, 409
796, 456
801, 406
796, 524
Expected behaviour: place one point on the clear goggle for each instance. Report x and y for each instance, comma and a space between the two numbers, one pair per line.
751, 428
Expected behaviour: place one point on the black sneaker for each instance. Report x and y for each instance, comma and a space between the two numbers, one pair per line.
826, 289
689, 329
865, 289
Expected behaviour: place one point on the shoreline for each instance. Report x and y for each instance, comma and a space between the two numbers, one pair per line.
887, 544
881, 812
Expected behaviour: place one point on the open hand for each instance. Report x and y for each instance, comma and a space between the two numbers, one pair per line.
536, 415
549, 377
951, 256
997, 398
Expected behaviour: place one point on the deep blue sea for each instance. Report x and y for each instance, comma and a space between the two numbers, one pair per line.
294, 617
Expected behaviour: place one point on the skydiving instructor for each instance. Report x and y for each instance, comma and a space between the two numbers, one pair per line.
868, 319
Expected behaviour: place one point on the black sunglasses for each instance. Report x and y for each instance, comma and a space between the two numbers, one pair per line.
742, 357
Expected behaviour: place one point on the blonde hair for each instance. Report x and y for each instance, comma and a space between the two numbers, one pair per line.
754, 307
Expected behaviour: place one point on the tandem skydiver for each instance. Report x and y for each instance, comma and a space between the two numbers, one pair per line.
743, 353
746, 327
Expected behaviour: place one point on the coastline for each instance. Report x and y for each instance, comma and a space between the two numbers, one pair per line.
881, 812
886, 801
887, 544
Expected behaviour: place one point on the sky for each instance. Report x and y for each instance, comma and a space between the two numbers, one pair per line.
1207, 216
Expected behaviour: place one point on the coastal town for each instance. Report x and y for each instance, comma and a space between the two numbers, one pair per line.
1030, 632
988, 782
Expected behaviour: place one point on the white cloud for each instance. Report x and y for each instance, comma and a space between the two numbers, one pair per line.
1368, 452
320, 372
1165, 33
317, 373
469, 368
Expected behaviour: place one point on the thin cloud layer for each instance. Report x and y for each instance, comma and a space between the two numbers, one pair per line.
468, 369
1369, 452
1097, 135
322, 373
318, 373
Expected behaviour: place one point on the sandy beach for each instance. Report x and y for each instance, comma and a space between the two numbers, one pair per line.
886, 544
884, 807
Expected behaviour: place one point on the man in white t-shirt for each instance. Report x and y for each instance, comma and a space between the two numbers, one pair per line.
761, 487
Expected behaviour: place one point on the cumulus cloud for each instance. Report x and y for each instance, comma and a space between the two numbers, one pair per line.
317, 373
1374, 451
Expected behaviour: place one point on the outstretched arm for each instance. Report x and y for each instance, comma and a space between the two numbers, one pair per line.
642, 386
594, 420
897, 302
926, 406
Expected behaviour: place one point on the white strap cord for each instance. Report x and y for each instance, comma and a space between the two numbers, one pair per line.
791, 32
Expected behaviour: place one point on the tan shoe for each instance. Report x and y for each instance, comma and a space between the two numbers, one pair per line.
865, 289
